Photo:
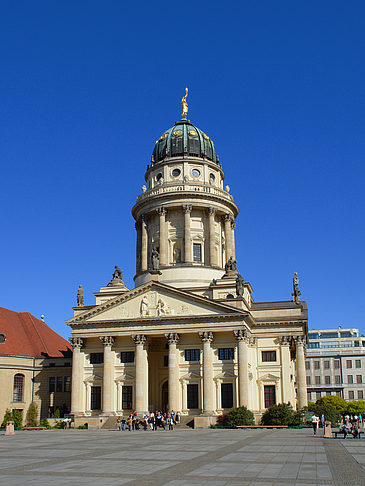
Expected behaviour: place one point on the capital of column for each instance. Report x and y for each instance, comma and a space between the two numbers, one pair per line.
139, 338
300, 341
227, 217
206, 336
172, 337
76, 342
242, 335
187, 208
285, 340
161, 211
233, 224
252, 341
107, 340
211, 211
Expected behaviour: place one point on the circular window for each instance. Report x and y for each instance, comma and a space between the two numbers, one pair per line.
159, 176
212, 177
176, 172
196, 172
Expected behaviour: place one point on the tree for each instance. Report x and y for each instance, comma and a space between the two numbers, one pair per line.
7, 417
338, 402
57, 413
330, 413
356, 407
281, 414
32, 415
17, 419
239, 416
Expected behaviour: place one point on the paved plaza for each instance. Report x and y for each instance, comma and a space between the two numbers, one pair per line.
180, 458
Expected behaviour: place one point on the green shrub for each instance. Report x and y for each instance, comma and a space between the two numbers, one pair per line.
281, 414
239, 416
32, 415
330, 413
58, 424
339, 403
57, 413
17, 419
7, 417
355, 407
44, 423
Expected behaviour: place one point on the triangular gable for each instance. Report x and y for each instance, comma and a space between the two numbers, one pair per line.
153, 300
125, 377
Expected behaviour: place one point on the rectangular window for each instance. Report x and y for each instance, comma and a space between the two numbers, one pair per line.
328, 393
313, 345
67, 383
51, 384
192, 396
337, 364
345, 334
127, 392
360, 395
227, 395
337, 379
68, 364
316, 365
358, 363
95, 398
268, 356
18, 388
309, 396
313, 336
318, 395
225, 354
356, 344
197, 252
127, 357
96, 358
350, 379
192, 355
318, 380
329, 335
59, 384
327, 380
165, 361
349, 363
326, 365
308, 380
358, 379
307, 365
351, 395
338, 393
269, 395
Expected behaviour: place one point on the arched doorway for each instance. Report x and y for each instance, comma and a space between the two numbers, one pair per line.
165, 396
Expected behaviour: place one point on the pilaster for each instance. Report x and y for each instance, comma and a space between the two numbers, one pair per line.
187, 208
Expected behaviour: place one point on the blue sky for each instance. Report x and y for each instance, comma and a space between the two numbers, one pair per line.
87, 88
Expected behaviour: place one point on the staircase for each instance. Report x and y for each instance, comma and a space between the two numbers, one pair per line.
110, 423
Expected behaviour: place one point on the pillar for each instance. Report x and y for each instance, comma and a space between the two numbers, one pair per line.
242, 337
163, 237
285, 369
144, 244
108, 375
141, 384
138, 247
228, 235
233, 248
208, 384
212, 236
172, 339
187, 208
77, 372
300, 368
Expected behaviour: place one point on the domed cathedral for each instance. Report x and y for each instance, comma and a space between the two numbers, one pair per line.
189, 337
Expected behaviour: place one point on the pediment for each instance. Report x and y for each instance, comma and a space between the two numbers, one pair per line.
225, 374
125, 377
191, 375
269, 377
153, 300
94, 379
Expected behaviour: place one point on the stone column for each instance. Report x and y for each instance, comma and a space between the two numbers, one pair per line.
233, 227
172, 339
187, 208
141, 385
138, 246
144, 244
212, 252
242, 337
77, 373
183, 395
88, 397
163, 237
108, 375
228, 235
300, 368
208, 384
119, 396
285, 369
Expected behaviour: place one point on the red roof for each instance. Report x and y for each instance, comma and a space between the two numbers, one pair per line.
28, 336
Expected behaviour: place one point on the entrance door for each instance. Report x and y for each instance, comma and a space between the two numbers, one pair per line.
165, 396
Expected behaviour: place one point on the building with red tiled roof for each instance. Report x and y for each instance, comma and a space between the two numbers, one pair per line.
35, 365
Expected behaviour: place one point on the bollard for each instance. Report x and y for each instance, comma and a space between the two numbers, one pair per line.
9, 428
327, 429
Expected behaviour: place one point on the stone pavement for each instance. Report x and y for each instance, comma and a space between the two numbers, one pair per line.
180, 458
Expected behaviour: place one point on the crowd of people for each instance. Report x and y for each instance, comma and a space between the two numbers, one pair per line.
152, 421
350, 424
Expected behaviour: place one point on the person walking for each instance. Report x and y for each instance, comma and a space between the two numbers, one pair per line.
315, 423
123, 424
119, 424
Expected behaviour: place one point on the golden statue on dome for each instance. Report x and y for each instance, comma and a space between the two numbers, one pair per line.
184, 104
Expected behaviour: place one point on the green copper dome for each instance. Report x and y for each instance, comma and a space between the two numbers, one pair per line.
184, 139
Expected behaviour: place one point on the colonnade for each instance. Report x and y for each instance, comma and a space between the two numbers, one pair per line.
187, 257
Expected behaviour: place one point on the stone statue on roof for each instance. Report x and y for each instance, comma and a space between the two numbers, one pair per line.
240, 286
296, 292
80, 296
118, 274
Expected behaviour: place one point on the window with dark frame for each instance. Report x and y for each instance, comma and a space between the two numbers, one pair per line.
18, 387
350, 379
337, 364
96, 358
337, 379
351, 395
197, 252
192, 391
67, 383
327, 380
225, 354
59, 384
358, 379
348, 363
317, 380
317, 365
360, 395
308, 380
227, 395
192, 354
269, 395
127, 357
268, 356
95, 398
165, 361
127, 393
51, 384
358, 363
